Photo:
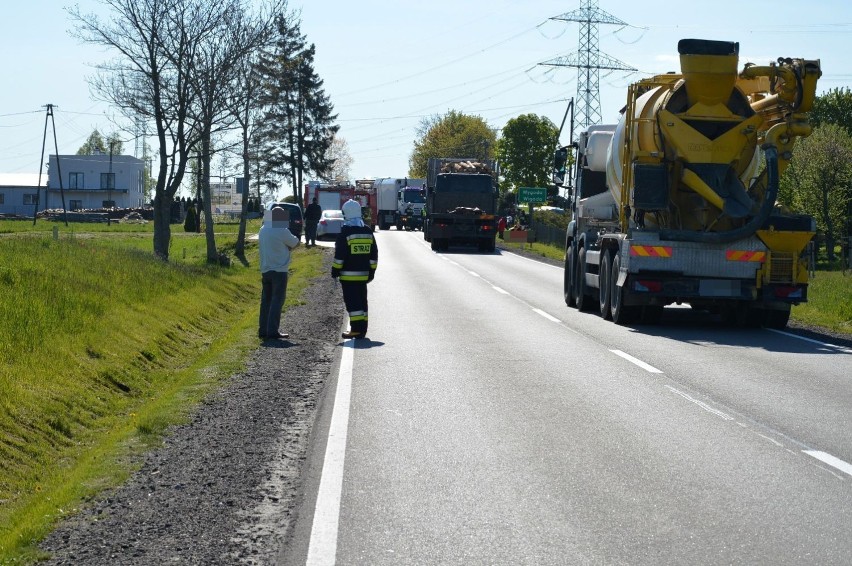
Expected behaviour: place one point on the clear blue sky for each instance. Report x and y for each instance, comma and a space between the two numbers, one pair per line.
388, 64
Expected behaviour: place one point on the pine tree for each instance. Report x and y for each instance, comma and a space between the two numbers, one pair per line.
190, 223
298, 125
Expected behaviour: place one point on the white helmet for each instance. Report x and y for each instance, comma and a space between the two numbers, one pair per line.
351, 210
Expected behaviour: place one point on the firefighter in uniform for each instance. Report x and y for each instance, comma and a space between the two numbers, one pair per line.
355, 259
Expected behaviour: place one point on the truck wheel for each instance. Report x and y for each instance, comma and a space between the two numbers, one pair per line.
583, 302
603, 285
651, 314
568, 279
435, 244
777, 319
620, 313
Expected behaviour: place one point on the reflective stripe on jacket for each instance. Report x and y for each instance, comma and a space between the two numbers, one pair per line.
356, 255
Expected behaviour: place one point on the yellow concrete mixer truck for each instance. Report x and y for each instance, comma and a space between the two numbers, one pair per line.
677, 203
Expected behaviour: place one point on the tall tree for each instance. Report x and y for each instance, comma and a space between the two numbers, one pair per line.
299, 124
819, 180
834, 107
275, 70
155, 42
219, 58
338, 154
245, 108
315, 128
452, 135
96, 144
525, 151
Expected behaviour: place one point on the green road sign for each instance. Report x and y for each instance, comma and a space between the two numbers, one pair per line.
531, 195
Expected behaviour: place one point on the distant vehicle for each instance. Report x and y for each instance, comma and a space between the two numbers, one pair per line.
461, 202
296, 218
332, 197
400, 202
330, 223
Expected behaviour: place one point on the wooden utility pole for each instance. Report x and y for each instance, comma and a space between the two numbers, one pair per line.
49, 116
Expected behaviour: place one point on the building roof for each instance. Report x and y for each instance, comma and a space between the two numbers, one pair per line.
21, 179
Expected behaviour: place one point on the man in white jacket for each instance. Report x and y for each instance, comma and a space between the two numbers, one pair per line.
275, 241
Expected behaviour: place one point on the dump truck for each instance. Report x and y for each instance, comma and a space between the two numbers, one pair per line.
461, 203
677, 203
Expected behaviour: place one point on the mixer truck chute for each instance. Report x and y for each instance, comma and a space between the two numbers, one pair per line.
674, 204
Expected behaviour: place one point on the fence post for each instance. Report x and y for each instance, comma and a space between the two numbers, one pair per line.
811, 260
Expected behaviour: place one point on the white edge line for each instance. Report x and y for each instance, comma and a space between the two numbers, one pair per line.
546, 315
499, 290
702, 404
519, 256
638, 362
322, 549
832, 461
811, 340
475, 274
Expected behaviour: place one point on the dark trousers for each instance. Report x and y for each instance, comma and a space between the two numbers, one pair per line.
271, 302
355, 298
310, 232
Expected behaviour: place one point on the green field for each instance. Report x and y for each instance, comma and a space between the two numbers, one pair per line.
99, 353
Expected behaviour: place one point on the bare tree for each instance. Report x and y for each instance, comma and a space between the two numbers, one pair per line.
155, 43
338, 154
220, 58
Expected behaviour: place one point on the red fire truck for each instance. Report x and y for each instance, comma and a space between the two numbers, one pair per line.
331, 197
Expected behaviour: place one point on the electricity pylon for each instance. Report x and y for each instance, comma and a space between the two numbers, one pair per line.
589, 61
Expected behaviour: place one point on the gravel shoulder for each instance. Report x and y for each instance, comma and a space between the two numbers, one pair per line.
223, 488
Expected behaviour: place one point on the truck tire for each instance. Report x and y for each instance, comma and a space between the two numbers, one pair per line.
651, 314
777, 319
435, 244
583, 300
568, 279
620, 313
604, 288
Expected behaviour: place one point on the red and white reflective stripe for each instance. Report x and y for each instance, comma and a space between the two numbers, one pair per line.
651, 251
741, 255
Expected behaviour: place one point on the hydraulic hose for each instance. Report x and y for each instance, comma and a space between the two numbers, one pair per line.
770, 151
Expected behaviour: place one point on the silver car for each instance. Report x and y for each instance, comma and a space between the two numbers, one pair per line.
330, 223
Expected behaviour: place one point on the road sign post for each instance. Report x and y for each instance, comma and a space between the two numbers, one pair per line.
530, 196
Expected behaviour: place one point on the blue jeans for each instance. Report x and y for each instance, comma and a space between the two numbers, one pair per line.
271, 302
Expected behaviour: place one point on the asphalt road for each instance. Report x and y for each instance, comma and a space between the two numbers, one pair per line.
490, 424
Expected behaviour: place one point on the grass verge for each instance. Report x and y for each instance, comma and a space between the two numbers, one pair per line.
99, 354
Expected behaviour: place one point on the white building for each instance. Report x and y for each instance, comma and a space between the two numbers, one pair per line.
18, 193
95, 181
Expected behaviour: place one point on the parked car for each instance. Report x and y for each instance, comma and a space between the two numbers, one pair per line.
330, 223
296, 218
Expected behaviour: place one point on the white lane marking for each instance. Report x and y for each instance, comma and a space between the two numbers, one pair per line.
546, 315
832, 461
636, 361
519, 256
703, 405
322, 550
475, 274
499, 290
812, 341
